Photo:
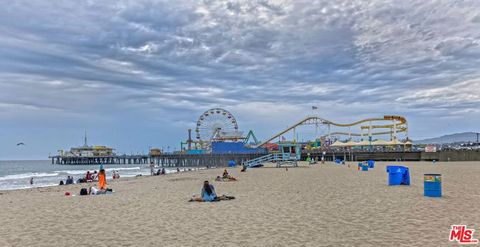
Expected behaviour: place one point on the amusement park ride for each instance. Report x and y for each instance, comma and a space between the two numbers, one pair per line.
218, 125
392, 125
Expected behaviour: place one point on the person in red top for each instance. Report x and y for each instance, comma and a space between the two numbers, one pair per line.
88, 176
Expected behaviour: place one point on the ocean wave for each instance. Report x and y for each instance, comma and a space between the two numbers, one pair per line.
72, 172
22, 187
28, 175
122, 168
79, 172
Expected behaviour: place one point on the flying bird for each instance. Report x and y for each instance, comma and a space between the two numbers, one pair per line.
20, 144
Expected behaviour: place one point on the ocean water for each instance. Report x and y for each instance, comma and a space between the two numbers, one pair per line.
17, 174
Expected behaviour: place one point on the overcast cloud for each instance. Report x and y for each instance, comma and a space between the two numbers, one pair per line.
139, 73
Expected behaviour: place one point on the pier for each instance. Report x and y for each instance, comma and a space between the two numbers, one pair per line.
164, 160
204, 160
116, 159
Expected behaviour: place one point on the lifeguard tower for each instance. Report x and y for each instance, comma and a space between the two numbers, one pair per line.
290, 153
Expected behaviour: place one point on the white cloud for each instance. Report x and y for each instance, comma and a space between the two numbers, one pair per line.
173, 59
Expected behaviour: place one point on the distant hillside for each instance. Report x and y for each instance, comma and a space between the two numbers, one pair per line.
458, 137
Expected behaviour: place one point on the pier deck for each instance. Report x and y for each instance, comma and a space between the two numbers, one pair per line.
203, 160
164, 160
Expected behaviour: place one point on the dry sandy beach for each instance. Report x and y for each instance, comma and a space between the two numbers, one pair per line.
321, 205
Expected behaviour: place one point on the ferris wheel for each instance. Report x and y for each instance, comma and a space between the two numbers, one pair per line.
215, 122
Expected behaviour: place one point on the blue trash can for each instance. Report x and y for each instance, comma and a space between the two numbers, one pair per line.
231, 163
432, 185
398, 175
365, 168
371, 163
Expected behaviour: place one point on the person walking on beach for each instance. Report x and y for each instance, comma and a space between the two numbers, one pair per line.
31, 181
102, 180
152, 172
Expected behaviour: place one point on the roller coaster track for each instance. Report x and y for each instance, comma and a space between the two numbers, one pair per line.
399, 125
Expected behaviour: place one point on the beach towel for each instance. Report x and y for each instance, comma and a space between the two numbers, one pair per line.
195, 198
208, 198
224, 198
231, 179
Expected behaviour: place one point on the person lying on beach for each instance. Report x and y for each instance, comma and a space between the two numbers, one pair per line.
95, 191
223, 179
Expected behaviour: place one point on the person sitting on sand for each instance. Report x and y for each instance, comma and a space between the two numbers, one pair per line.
102, 180
209, 195
163, 171
227, 177
244, 168
208, 192
69, 180
94, 175
88, 176
115, 175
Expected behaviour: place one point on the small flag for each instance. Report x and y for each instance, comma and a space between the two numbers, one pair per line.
314, 108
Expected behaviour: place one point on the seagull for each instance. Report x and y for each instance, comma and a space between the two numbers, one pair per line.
20, 144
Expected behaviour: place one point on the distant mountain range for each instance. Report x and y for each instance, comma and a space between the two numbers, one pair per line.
458, 137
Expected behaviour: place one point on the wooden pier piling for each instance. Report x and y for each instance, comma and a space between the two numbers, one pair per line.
164, 160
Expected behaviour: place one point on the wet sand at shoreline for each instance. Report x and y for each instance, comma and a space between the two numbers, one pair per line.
320, 205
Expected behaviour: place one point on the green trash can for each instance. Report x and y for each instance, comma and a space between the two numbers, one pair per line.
432, 185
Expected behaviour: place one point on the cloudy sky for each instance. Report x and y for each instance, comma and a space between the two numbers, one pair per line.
138, 73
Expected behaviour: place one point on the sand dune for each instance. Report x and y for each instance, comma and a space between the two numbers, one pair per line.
322, 205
